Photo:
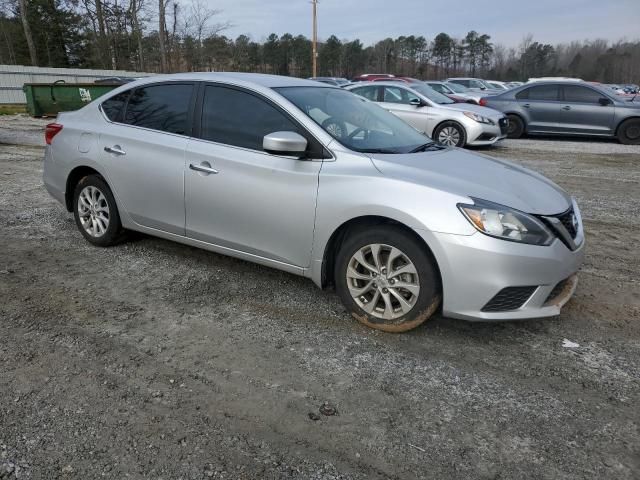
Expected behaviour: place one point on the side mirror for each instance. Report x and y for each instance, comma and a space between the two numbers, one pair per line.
416, 102
284, 143
604, 101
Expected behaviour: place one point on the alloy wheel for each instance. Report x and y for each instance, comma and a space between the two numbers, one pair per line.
383, 281
449, 136
93, 211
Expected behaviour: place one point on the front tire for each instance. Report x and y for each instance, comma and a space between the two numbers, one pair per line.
629, 132
450, 134
96, 213
516, 127
387, 279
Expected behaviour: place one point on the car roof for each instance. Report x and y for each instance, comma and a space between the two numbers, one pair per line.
261, 79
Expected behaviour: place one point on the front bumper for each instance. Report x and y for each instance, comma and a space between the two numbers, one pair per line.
482, 134
475, 268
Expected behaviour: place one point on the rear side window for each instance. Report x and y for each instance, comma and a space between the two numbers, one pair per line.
575, 93
238, 118
113, 108
540, 92
160, 107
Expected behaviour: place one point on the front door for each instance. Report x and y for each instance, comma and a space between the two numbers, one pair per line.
237, 195
397, 100
583, 113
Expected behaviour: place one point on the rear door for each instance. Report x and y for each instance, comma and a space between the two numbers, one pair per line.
142, 151
582, 112
255, 202
541, 107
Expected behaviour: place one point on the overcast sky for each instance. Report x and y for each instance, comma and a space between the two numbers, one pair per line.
550, 21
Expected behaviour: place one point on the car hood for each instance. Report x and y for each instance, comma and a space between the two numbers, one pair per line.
469, 107
470, 174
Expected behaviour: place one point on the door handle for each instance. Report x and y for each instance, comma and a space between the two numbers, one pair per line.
116, 150
566, 107
526, 105
202, 168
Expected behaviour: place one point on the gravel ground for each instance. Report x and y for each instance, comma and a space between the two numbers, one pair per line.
156, 360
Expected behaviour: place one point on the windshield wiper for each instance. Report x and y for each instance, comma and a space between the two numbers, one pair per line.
427, 146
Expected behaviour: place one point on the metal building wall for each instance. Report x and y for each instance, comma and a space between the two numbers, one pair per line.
12, 77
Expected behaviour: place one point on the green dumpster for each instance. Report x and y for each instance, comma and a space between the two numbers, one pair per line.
47, 99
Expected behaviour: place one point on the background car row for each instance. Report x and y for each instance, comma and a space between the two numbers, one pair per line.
448, 110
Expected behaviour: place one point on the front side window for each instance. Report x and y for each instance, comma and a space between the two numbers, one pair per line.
113, 107
160, 107
355, 122
431, 94
397, 95
578, 94
370, 93
238, 118
457, 88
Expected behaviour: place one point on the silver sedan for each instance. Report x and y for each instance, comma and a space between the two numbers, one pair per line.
449, 123
314, 180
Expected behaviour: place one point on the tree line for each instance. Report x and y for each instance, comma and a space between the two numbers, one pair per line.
174, 35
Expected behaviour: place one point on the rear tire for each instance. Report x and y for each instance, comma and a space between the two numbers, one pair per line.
516, 126
395, 293
629, 132
96, 212
450, 134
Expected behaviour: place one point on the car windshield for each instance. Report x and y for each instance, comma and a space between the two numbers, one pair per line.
355, 122
456, 87
426, 91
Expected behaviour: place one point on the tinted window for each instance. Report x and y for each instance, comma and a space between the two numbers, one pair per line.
241, 119
575, 93
160, 107
114, 107
370, 93
540, 92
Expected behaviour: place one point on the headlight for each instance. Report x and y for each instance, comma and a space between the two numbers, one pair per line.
506, 223
479, 118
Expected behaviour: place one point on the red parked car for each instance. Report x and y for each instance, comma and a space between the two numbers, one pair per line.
367, 77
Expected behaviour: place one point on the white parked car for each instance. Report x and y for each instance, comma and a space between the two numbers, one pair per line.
447, 122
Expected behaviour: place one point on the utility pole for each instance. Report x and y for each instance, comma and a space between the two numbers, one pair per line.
315, 38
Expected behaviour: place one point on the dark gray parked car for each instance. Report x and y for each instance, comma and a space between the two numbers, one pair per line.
567, 108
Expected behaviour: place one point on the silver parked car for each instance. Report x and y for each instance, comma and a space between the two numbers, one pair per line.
246, 165
568, 108
447, 122
456, 90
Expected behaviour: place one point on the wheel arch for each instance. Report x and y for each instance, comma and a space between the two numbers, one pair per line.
340, 233
73, 178
633, 117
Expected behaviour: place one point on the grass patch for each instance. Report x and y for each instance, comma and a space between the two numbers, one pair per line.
12, 109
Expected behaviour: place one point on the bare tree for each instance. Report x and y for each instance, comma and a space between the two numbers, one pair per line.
27, 33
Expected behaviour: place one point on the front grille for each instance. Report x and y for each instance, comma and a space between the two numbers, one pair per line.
510, 298
557, 290
567, 219
504, 125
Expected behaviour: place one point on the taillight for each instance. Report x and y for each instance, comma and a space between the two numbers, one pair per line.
51, 131
483, 102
